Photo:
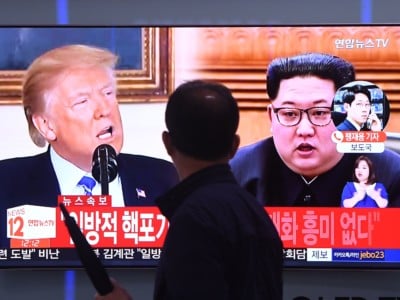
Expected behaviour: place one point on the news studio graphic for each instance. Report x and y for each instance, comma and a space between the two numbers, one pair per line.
30, 226
360, 111
90, 261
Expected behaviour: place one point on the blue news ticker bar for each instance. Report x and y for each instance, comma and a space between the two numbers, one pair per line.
366, 255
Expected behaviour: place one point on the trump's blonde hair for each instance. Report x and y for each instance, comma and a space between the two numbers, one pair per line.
41, 77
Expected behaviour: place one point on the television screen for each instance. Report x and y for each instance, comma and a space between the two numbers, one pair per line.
345, 233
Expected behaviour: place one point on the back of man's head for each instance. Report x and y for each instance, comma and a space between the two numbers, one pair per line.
324, 66
202, 119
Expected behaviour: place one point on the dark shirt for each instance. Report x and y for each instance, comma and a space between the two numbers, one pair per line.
221, 244
260, 170
346, 125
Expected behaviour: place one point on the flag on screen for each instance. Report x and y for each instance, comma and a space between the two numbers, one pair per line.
140, 193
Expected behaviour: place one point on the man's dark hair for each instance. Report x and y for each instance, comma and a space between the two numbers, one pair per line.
324, 66
350, 94
202, 119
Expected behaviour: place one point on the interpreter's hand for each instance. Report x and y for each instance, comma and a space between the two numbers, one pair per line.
374, 194
359, 195
118, 293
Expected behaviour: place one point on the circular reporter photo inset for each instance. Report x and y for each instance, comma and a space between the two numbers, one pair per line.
360, 106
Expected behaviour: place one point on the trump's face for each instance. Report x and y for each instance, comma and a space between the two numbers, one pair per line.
82, 113
305, 148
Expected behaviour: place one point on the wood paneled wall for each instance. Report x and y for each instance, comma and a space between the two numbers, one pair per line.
239, 56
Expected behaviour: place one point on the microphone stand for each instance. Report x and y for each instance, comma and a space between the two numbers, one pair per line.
104, 178
104, 166
92, 264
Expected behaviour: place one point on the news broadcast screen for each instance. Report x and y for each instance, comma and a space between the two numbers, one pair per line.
356, 229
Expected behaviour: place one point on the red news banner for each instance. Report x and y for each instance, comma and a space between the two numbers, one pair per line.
364, 136
103, 226
132, 227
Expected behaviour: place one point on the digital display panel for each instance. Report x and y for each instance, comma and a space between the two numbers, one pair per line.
157, 59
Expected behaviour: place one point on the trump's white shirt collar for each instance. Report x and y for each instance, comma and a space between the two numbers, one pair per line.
68, 175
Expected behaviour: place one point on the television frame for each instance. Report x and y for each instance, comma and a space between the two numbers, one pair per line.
155, 80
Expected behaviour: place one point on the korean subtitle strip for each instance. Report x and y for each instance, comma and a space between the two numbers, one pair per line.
106, 227
295, 254
350, 228
299, 227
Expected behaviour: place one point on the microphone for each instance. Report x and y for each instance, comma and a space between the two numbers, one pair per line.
92, 264
104, 166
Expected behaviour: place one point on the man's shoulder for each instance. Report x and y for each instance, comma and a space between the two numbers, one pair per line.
23, 162
387, 159
251, 158
346, 125
252, 151
387, 156
24, 169
143, 162
386, 163
248, 165
138, 159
